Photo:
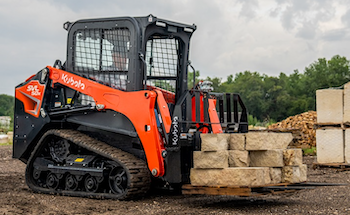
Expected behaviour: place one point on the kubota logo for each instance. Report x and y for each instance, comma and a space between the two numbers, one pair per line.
175, 131
34, 91
72, 82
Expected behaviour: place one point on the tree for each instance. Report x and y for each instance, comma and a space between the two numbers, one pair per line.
325, 74
6, 105
190, 79
216, 84
275, 98
250, 87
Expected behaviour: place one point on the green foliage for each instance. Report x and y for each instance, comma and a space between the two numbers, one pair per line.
271, 99
163, 84
252, 120
190, 79
6, 144
311, 151
7, 107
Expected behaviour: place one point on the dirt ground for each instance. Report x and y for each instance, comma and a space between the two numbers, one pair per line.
17, 198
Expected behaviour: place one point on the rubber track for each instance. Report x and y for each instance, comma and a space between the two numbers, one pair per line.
137, 170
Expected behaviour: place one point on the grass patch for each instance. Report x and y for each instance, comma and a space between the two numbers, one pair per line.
310, 151
6, 144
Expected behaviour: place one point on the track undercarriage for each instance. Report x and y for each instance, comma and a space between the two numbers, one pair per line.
71, 163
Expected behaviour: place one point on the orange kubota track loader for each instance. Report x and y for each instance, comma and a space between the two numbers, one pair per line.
118, 113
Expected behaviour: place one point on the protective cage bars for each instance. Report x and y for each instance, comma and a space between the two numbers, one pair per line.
163, 65
232, 113
102, 55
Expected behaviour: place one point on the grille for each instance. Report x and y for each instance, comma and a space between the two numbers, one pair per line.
102, 55
162, 66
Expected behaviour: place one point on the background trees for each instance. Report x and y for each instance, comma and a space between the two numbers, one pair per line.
267, 98
6, 105
275, 98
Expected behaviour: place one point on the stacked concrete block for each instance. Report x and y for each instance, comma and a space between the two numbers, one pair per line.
346, 103
267, 140
333, 111
294, 174
237, 142
267, 158
209, 160
330, 145
346, 120
214, 142
293, 157
238, 158
251, 159
347, 145
235, 176
329, 106
275, 175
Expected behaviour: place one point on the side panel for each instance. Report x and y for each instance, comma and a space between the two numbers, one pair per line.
31, 95
27, 119
137, 106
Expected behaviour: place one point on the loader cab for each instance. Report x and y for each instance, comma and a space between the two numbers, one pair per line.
152, 53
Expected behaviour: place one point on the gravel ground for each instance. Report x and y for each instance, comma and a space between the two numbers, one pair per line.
17, 198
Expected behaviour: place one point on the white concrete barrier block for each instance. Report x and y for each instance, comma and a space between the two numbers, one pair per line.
347, 145
329, 106
330, 145
346, 100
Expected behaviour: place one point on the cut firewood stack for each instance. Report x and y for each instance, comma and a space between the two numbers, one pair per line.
302, 126
333, 120
251, 159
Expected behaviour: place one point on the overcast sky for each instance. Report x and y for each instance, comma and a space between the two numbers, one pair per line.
232, 36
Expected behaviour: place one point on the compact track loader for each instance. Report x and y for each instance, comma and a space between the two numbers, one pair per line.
118, 113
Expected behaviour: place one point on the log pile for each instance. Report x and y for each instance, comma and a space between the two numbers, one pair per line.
302, 126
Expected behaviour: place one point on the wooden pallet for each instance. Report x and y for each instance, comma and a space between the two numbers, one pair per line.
244, 191
343, 166
331, 125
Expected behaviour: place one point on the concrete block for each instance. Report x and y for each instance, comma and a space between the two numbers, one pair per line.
210, 160
267, 140
303, 172
237, 142
294, 174
347, 145
268, 158
238, 158
346, 100
214, 142
275, 175
234, 176
330, 145
329, 106
293, 157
